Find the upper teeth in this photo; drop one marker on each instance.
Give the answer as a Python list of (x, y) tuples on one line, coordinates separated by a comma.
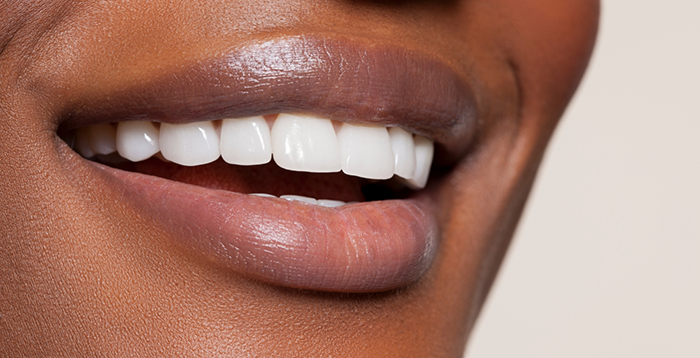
[(296, 142)]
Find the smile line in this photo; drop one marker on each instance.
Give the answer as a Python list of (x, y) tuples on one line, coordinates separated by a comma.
[(365, 247)]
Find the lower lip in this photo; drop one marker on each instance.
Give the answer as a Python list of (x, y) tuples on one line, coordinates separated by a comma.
[(366, 247)]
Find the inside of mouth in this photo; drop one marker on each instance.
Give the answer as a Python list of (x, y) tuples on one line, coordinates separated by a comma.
[(293, 157)]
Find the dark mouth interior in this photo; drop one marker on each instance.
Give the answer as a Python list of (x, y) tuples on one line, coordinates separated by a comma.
[(268, 179)]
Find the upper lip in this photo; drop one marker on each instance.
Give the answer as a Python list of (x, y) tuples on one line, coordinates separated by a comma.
[(345, 79), (391, 243)]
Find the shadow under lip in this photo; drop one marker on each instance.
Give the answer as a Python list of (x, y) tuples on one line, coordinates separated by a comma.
[(352, 80)]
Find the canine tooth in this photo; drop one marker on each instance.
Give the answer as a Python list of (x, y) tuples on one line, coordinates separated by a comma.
[(82, 142), (189, 144), (404, 152), (103, 138), (330, 203), (424, 158), (245, 141), (137, 141), (303, 199), (365, 151), (304, 143)]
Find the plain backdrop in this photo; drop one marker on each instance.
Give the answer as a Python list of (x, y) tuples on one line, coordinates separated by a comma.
[(606, 260)]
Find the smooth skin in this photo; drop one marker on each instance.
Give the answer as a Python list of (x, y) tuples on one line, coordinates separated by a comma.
[(82, 275)]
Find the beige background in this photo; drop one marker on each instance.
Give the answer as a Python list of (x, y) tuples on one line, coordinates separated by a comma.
[(606, 262)]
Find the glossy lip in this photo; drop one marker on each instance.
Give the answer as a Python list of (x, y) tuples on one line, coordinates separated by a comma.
[(344, 79), (367, 247)]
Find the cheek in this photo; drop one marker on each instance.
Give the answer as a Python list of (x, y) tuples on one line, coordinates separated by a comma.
[(550, 43), (545, 45)]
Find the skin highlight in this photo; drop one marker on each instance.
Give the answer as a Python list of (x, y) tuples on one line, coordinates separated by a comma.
[(82, 274)]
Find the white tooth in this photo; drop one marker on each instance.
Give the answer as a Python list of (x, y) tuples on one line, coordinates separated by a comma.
[(189, 144), (304, 143), (82, 142), (303, 199), (365, 151), (137, 141), (246, 141), (404, 152), (263, 195), (103, 138), (330, 203), (424, 158)]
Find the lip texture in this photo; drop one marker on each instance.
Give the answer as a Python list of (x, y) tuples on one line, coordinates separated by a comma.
[(351, 80), (366, 247)]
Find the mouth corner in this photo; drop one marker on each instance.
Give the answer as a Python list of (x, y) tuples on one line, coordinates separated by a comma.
[(311, 235)]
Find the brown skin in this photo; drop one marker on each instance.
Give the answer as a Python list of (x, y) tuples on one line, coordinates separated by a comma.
[(80, 275)]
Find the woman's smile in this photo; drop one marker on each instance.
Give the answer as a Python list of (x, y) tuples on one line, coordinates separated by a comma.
[(269, 178), (368, 112)]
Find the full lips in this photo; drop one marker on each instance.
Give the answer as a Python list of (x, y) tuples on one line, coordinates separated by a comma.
[(367, 247)]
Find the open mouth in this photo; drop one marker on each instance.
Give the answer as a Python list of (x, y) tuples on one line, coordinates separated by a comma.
[(300, 161), (299, 143)]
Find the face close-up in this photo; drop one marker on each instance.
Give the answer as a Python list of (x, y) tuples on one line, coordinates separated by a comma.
[(390, 145)]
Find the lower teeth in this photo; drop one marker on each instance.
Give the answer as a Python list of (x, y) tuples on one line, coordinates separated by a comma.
[(304, 199)]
